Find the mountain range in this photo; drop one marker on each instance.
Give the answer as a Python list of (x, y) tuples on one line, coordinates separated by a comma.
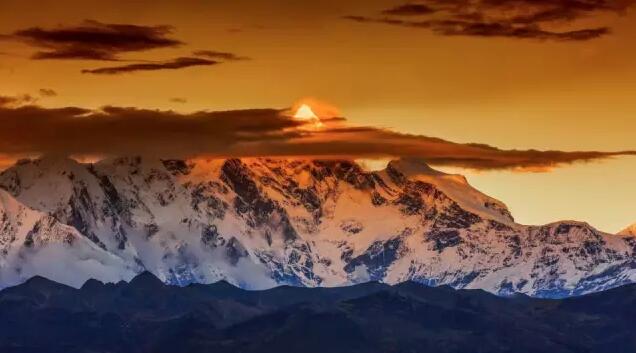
[(146, 315), (258, 223)]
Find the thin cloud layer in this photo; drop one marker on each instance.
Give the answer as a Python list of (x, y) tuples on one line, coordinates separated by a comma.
[(34, 130), (220, 55), (47, 92), (174, 64), (524, 19), (93, 40)]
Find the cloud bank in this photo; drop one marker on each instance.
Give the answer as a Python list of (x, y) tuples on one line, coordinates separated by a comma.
[(523, 19), (32, 130)]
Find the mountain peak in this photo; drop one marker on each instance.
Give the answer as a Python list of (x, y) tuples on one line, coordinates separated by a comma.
[(53, 162), (37, 280), (146, 279), (92, 284), (40, 283), (411, 166), (454, 186)]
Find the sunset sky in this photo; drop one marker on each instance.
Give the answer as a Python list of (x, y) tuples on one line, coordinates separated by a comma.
[(517, 75)]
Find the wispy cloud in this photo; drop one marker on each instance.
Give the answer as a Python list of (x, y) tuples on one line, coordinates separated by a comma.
[(220, 55), (179, 100), (523, 19), (174, 64), (47, 92), (93, 40)]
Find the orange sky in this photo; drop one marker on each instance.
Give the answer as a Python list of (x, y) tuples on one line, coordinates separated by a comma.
[(507, 92)]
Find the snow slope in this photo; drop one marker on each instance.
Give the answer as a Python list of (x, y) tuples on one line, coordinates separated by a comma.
[(33, 243)]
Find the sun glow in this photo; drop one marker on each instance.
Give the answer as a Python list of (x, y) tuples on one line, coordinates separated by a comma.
[(304, 112)]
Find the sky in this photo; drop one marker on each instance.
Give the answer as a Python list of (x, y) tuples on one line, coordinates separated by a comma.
[(429, 79)]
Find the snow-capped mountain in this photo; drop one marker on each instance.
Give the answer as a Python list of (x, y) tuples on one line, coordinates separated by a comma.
[(34, 243), (262, 222)]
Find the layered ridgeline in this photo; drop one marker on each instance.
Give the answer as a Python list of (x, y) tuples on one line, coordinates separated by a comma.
[(146, 315), (261, 222)]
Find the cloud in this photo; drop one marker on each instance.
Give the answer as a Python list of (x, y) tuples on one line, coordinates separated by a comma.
[(173, 64), (11, 101), (200, 58), (371, 142), (93, 40), (179, 100), (219, 55), (33, 130), (409, 10), (47, 92), (360, 274), (524, 19), (110, 130)]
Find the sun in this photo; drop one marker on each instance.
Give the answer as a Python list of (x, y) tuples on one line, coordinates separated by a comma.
[(305, 112)]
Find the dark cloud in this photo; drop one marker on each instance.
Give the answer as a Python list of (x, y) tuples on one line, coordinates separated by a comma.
[(373, 143), (5, 100), (409, 10), (174, 64), (47, 92), (12, 101), (33, 129), (525, 19), (179, 100), (219, 55), (30, 129), (94, 40)]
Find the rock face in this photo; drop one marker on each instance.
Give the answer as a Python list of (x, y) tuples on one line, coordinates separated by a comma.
[(261, 222)]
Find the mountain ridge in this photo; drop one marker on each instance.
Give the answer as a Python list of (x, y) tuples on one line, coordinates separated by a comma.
[(260, 222), (42, 315), (629, 231)]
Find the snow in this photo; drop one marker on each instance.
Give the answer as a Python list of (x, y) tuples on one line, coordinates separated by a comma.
[(455, 186), (185, 225), (58, 252)]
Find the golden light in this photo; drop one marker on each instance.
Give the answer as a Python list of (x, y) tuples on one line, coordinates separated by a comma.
[(304, 112)]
